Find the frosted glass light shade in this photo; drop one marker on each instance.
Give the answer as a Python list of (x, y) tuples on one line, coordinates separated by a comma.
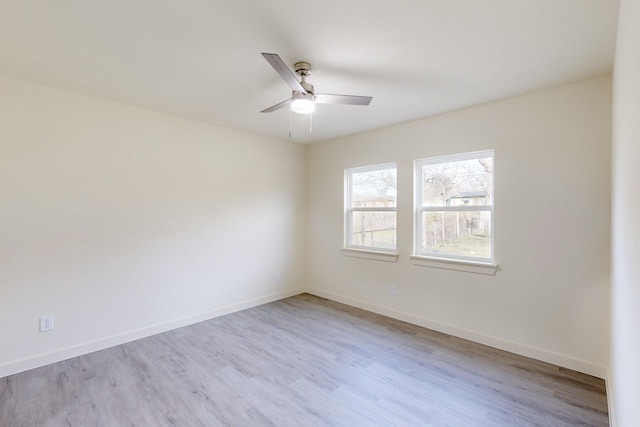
[(303, 103)]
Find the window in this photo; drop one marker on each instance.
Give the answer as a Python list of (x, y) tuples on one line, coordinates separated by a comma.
[(454, 207), (370, 207)]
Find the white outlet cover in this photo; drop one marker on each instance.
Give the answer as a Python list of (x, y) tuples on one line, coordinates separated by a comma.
[(46, 323)]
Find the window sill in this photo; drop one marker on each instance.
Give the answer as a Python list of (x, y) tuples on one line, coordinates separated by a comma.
[(455, 264), (368, 254)]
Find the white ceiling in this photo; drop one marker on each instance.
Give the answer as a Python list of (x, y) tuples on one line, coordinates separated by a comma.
[(201, 58)]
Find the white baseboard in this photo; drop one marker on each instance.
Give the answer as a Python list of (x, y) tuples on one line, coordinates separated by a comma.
[(100, 344), (611, 407), (513, 347), (510, 346)]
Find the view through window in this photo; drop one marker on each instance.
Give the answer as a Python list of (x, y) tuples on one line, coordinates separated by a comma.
[(370, 207), (454, 206)]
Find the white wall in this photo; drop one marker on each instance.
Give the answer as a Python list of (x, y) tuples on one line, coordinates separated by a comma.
[(550, 298), (625, 309), (122, 222)]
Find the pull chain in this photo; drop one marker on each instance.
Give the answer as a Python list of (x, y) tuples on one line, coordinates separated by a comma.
[(310, 123)]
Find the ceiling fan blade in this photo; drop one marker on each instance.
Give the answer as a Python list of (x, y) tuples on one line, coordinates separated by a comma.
[(277, 106), (278, 64), (325, 98)]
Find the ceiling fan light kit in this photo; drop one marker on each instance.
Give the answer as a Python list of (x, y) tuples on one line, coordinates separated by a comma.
[(303, 103), (303, 97)]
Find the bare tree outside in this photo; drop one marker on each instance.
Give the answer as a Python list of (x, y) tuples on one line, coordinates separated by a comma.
[(457, 200)]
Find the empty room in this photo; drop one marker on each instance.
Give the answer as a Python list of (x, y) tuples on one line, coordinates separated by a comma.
[(360, 213)]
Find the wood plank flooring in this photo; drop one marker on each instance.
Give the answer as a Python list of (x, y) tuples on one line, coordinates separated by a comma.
[(302, 361)]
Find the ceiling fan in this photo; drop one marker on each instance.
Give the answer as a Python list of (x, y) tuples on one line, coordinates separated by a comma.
[(304, 99)]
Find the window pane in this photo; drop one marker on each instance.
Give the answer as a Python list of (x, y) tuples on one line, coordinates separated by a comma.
[(373, 189), (462, 233), (374, 229), (461, 183)]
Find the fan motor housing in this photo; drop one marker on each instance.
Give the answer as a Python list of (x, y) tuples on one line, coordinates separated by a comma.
[(307, 86)]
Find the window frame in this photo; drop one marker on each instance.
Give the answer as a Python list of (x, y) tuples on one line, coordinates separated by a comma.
[(349, 209), (419, 209)]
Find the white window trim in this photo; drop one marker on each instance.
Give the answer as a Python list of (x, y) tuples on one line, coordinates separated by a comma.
[(370, 254), (455, 264), (359, 251), (448, 261)]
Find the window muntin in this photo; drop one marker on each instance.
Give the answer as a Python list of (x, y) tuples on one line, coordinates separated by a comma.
[(454, 206), (370, 207)]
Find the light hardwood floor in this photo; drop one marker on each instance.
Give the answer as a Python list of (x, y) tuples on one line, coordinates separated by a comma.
[(302, 361)]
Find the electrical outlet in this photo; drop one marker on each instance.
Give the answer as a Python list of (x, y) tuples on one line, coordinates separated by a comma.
[(46, 323), (392, 290), (278, 279)]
